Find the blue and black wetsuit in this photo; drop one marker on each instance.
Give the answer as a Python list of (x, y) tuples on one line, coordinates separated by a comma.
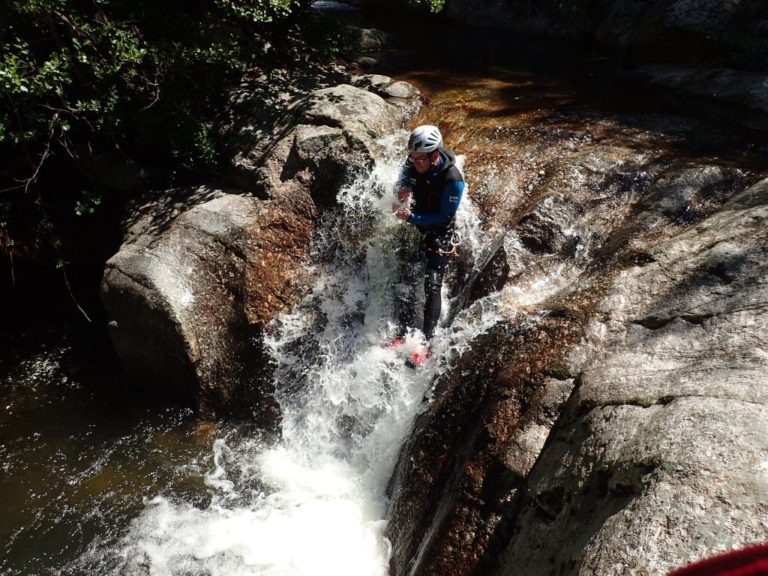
[(436, 198)]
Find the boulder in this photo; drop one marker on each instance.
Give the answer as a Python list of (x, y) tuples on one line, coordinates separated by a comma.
[(659, 456), (365, 40), (399, 93), (200, 273), (327, 138)]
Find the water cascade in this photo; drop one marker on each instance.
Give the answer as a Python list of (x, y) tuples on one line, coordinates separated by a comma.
[(314, 501)]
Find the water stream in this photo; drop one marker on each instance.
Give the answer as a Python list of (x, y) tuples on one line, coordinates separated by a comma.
[(150, 494), (313, 502)]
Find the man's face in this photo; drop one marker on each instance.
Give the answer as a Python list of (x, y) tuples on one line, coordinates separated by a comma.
[(421, 161)]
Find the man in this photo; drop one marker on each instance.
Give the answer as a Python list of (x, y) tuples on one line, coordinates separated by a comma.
[(429, 196)]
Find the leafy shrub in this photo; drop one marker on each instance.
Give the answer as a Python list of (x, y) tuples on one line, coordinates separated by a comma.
[(128, 72), (431, 5), (139, 80)]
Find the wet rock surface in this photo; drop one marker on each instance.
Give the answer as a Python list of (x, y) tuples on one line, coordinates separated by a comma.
[(658, 458), (622, 234), (464, 463), (659, 445)]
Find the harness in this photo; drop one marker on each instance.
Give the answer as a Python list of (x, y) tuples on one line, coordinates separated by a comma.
[(455, 242)]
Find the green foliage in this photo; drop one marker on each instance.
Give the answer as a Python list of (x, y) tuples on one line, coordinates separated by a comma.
[(433, 6), (137, 79), (88, 203), (98, 65)]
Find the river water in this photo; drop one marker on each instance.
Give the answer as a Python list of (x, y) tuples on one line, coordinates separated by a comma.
[(93, 491), (96, 483)]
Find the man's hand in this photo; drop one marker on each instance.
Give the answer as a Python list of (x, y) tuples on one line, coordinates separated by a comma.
[(404, 195), (402, 208)]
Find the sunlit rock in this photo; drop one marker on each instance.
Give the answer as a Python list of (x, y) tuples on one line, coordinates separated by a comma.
[(395, 92), (200, 272), (597, 210), (659, 457), (328, 138)]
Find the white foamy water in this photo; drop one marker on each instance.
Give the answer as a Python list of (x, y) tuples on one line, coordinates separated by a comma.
[(313, 504)]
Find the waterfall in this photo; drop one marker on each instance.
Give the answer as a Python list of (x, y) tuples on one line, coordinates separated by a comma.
[(313, 502)]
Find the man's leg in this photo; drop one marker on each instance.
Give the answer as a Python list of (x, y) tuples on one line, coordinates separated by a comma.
[(405, 300), (435, 249), (406, 281), (433, 284)]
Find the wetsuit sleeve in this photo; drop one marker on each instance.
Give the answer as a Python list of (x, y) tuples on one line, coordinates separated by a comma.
[(449, 203)]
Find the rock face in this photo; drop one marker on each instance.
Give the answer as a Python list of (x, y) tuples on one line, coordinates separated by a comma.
[(739, 97), (198, 272), (464, 463), (662, 447), (323, 139), (704, 56), (562, 434), (202, 271)]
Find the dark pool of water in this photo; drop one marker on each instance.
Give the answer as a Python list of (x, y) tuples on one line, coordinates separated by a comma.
[(78, 454)]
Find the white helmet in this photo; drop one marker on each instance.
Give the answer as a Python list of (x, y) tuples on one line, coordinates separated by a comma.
[(425, 138)]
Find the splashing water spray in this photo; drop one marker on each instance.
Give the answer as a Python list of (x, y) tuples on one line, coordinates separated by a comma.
[(314, 503)]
